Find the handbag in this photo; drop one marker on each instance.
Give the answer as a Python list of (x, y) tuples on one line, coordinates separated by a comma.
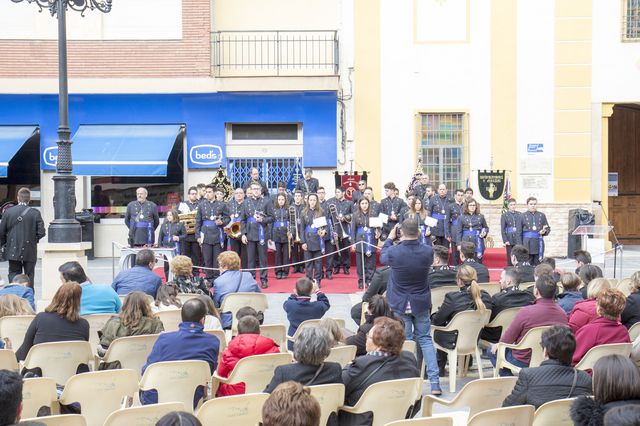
[(3, 249)]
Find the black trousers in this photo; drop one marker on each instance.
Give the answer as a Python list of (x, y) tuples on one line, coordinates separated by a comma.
[(241, 249), (441, 241), (330, 251), (342, 258), (210, 253), (313, 267), (17, 267), (509, 248), (297, 255), (192, 250), (369, 266), (534, 259), (257, 257), (455, 254), (282, 257)]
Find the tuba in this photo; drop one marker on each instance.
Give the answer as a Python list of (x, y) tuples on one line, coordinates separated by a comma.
[(189, 221), (233, 230)]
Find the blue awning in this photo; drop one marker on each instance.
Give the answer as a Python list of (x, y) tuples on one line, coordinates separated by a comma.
[(11, 140), (123, 150)]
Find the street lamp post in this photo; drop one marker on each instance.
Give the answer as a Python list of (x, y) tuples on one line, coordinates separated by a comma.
[(65, 228)]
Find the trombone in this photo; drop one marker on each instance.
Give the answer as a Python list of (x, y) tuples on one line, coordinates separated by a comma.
[(293, 224), (335, 221)]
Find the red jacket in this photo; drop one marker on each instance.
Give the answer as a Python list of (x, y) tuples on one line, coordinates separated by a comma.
[(600, 331), (241, 346), (583, 313)]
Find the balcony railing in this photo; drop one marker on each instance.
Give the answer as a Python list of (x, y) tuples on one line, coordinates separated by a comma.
[(275, 53)]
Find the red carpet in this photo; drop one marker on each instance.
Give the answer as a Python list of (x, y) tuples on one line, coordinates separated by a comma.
[(495, 259)]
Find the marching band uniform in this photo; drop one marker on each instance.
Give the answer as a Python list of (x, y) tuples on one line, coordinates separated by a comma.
[(190, 246), (425, 231), (165, 239), (212, 233), (329, 242), (534, 228), (471, 227), (360, 231), (256, 233), (297, 254), (342, 258), (234, 210), (511, 227), (263, 185), (280, 237), (438, 210), (454, 211), (142, 220), (308, 186), (389, 206), (316, 246)]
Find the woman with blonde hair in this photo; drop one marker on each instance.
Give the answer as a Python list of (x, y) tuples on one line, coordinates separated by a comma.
[(584, 312), (469, 297), (231, 280), (183, 279), (10, 305), (631, 313)]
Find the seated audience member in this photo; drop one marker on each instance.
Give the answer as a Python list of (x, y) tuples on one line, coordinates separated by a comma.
[(584, 311), (605, 328), (212, 320), (248, 342), (570, 294), (231, 280), (542, 269), (96, 298), (190, 342), (582, 258), (625, 415), (587, 274), (10, 398), (631, 313), (136, 318), (291, 404), (616, 382), (299, 306), (167, 299), (378, 286), (467, 256), (510, 296), (469, 297), (11, 305), (336, 335), (245, 311), (20, 287), (552, 262), (178, 418), (183, 279), (441, 274), (555, 378), (520, 260), (385, 360), (59, 322), (544, 312), (310, 350), (378, 307), (139, 278)]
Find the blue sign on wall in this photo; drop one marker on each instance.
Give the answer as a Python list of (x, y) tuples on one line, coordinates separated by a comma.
[(535, 147), (204, 115)]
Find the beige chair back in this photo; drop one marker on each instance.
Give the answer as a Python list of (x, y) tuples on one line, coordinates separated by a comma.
[(234, 301), (37, 393), (171, 319), (330, 397), (438, 293), (478, 395), (8, 360), (59, 360), (176, 380), (96, 323), (277, 333), (519, 415), (432, 421), (531, 340), (594, 354), (343, 355), (63, 420), (363, 312), (409, 346), (131, 351), (146, 415), (100, 392), (624, 285), (554, 413), (237, 410), (491, 288), (388, 400), (504, 318), (634, 331), (256, 371), (14, 328), (183, 297), (222, 338), (468, 324), (302, 326)]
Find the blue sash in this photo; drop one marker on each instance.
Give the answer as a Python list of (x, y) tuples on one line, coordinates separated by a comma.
[(312, 229), (281, 224), (479, 245), (252, 219), (367, 237), (423, 237), (511, 229), (438, 216), (147, 225), (536, 235), (176, 244)]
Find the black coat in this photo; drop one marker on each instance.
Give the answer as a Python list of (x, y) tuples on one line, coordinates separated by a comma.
[(631, 313), (441, 276), (586, 411), (548, 382), (21, 237), (378, 286), (507, 298), (525, 272), (138, 214), (481, 270), (302, 373)]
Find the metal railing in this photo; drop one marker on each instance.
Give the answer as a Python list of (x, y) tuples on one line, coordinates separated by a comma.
[(275, 53)]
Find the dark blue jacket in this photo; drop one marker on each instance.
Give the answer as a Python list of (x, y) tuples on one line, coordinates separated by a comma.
[(20, 291), (567, 299), (232, 282), (190, 342), (410, 262), (301, 308), (138, 278)]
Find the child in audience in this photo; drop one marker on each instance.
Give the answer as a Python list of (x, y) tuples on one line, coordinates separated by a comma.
[(167, 299), (299, 306), (570, 294), (212, 319), (20, 287)]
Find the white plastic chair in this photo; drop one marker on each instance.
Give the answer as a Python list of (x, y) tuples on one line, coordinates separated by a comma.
[(8, 360), (554, 413), (503, 319), (131, 351), (634, 331), (424, 421), (330, 397), (277, 333), (14, 328), (236, 410), (518, 415), (531, 340), (39, 392), (343, 355), (96, 323), (59, 360), (594, 354), (235, 301), (176, 380), (146, 415), (222, 338), (61, 420), (438, 293), (255, 371), (171, 319), (491, 288)]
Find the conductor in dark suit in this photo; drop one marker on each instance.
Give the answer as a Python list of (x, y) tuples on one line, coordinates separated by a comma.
[(20, 230), (468, 256)]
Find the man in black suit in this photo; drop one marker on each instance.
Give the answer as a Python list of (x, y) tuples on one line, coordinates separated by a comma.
[(378, 286), (467, 255), (520, 259), (20, 230), (441, 274)]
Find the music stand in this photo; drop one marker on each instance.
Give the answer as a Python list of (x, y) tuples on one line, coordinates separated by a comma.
[(585, 230), (160, 252)]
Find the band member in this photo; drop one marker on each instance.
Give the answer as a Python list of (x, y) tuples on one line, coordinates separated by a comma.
[(472, 227), (142, 220), (255, 178), (282, 189), (468, 194), (322, 198), (361, 231), (420, 189), (511, 227), (390, 206), (297, 254), (257, 214), (234, 210), (359, 193), (190, 246), (171, 234), (407, 207), (418, 213), (280, 235), (210, 222), (451, 222), (429, 192), (438, 210), (201, 191), (308, 185), (312, 239), (344, 208), (534, 228), (374, 206)]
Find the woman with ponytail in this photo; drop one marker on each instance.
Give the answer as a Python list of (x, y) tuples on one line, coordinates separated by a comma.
[(469, 298)]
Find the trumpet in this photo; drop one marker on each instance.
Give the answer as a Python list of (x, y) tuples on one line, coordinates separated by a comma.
[(293, 224)]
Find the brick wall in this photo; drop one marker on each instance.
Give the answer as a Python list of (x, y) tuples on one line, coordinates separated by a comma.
[(189, 57), (557, 215)]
